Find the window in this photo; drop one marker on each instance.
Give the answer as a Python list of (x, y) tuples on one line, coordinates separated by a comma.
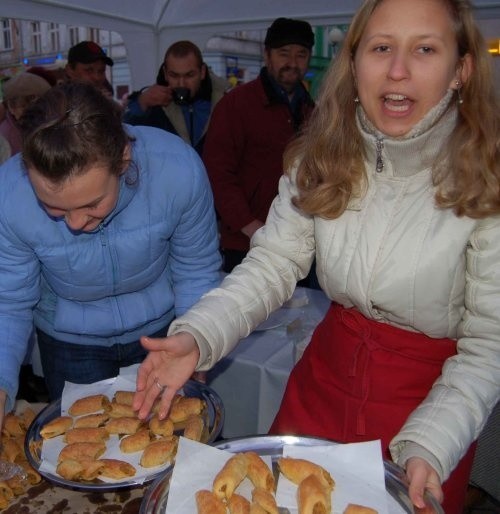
[(94, 35), (74, 36), (54, 37), (36, 37), (6, 41)]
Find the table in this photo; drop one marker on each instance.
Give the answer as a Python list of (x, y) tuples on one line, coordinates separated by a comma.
[(251, 380)]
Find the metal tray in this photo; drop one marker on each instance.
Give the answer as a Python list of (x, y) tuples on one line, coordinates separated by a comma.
[(156, 496), (215, 414)]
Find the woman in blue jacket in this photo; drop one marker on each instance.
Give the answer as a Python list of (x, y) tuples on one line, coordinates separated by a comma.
[(107, 232)]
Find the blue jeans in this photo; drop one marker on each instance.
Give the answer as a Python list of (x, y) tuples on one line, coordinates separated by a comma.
[(84, 364)]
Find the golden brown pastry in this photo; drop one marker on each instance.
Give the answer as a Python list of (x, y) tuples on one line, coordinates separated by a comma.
[(13, 425), (265, 499), (230, 476), (208, 503), (159, 452), (135, 442), (353, 508), (56, 427), (6, 495), (91, 420), (27, 416), (259, 472), (86, 435), (116, 469), (12, 450), (89, 405), (193, 428), (33, 476), (183, 407), (70, 469), (313, 497), (124, 397), (80, 451), (121, 410), (256, 508), (16, 484), (123, 426), (163, 427), (238, 504), (297, 469)]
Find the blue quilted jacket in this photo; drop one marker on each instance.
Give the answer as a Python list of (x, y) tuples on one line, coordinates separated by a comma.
[(149, 261)]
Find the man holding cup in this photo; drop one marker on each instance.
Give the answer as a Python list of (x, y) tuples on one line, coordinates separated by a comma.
[(183, 97)]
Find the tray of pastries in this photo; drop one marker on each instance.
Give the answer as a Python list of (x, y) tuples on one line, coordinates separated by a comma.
[(98, 442), (323, 491)]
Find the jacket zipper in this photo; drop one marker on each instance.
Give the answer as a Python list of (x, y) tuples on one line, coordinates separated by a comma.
[(379, 143)]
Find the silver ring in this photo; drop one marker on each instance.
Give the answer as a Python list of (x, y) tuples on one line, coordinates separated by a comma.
[(157, 384)]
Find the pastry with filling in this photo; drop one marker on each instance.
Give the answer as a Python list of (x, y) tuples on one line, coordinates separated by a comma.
[(89, 405), (298, 469), (121, 410), (230, 476), (159, 452), (265, 499), (116, 469), (12, 425), (256, 508), (161, 427), (82, 451), (91, 420), (313, 497), (86, 435), (56, 426), (238, 504), (353, 508), (183, 407), (259, 472), (123, 426), (124, 397), (193, 428), (208, 503), (135, 442)]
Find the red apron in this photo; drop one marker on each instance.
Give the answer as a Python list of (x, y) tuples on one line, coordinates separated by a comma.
[(358, 380)]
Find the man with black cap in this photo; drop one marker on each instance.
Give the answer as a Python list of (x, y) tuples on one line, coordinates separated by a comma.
[(87, 63), (249, 130)]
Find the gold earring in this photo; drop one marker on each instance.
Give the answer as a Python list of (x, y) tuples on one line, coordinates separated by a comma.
[(459, 86)]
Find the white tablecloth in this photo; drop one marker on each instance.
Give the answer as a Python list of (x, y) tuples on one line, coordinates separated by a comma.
[(251, 380)]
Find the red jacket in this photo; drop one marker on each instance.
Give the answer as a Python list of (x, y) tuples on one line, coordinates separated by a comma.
[(249, 130)]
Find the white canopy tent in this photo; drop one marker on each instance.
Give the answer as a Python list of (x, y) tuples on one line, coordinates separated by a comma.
[(148, 27)]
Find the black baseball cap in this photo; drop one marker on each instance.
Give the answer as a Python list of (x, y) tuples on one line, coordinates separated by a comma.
[(87, 52), (285, 31)]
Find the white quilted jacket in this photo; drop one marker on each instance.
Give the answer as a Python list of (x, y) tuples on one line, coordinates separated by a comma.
[(399, 260)]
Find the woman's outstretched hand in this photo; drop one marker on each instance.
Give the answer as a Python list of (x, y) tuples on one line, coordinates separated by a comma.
[(422, 477), (170, 363)]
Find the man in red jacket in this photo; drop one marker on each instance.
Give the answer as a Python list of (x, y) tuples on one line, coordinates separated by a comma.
[(249, 130)]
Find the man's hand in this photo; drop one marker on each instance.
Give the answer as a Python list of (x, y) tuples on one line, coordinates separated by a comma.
[(250, 229), (422, 476), (155, 95), (170, 363)]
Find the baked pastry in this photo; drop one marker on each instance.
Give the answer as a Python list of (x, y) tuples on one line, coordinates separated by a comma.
[(72, 469), (298, 469), (183, 407), (259, 473), (162, 427), (117, 469), (265, 499), (159, 452), (13, 425), (313, 497), (193, 429), (91, 420), (56, 426), (230, 476), (123, 426), (121, 410), (86, 435), (81, 451), (353, 508), (257, 508), (238, 504), (124, 397), (6, 495), (89, 405), (135, 442), (208, 503)]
